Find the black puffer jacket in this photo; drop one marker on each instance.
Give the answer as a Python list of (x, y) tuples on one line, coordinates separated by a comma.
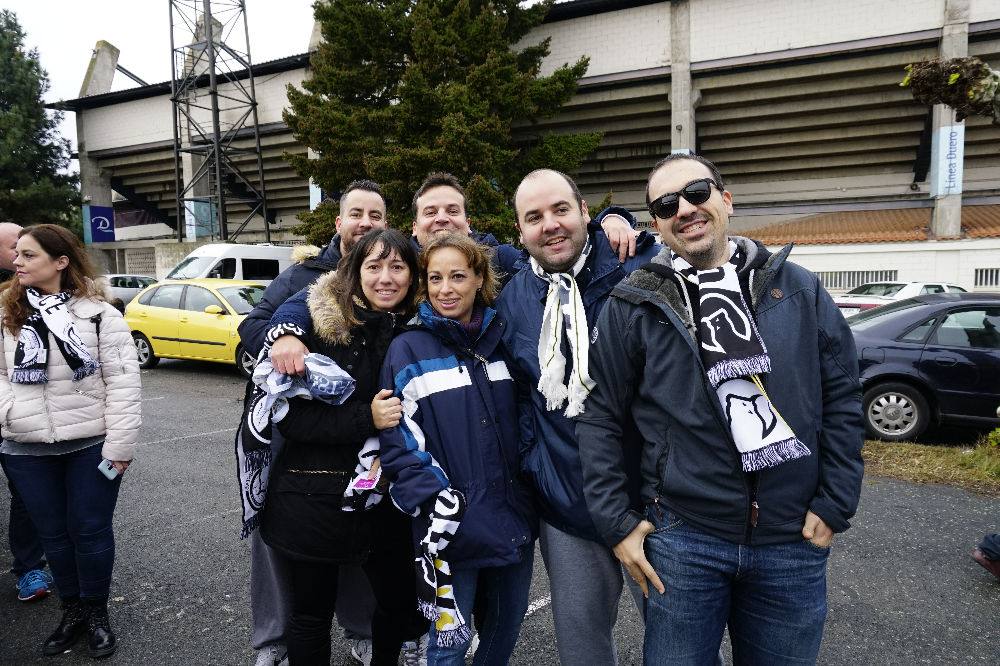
[(302, 518)]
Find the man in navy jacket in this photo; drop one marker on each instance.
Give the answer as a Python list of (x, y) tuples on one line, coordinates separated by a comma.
[(741, 376), (571, 268)]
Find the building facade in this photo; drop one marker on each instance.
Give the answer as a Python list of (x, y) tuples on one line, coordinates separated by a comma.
[(797, 101)]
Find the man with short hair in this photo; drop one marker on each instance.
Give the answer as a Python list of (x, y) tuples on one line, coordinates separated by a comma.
[(362, 208), (549, 307), (741, 376), (33, 581)]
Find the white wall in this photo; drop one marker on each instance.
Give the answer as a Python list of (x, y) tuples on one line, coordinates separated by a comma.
[(150, 120), (945, 261), (620, 41)]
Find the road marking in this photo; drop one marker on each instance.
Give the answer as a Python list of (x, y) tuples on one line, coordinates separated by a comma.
[(538, 605), (197, 434)]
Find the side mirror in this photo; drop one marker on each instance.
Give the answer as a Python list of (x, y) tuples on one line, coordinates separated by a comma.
[(214, 309)]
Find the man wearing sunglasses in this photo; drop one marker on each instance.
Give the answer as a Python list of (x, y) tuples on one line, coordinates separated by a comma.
[(741, 376)]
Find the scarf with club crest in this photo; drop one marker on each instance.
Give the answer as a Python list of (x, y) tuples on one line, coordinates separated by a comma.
[(735, 357), (435, 594), (51, 315)]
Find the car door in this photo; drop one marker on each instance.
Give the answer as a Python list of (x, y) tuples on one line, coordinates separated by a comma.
[(961, 360), (157, 318), (204, 335)]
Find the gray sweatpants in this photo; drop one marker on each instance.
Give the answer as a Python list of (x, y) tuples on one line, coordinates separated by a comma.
[(270, 597), (585, 580)]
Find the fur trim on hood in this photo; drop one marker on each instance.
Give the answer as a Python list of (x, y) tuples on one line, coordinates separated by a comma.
[(303, 253), (327, 317)]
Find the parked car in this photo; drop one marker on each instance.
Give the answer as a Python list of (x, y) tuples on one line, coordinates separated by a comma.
[(193, 319), (233, 261), (928, 360), (874, 294), (123, 288)]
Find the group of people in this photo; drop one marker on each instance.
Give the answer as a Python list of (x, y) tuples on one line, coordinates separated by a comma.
[(687, 413)]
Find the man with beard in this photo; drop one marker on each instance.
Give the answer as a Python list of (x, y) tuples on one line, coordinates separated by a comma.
[(741, 376), (362, 208), (549, 307)]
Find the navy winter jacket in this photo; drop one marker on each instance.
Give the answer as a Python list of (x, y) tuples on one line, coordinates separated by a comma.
[(548, 439), (648, 371), (459, 430), (287, 284)]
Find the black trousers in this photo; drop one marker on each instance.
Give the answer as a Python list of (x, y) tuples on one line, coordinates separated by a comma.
[(392, 575)]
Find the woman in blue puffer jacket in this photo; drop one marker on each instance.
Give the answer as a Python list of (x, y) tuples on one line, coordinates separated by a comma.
[(453, 460)]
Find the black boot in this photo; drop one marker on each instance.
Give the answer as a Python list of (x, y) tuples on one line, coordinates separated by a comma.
[(101, 640), (71, 627)]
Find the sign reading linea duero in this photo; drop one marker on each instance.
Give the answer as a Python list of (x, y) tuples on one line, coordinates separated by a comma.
[(98, 224), (947, 153)]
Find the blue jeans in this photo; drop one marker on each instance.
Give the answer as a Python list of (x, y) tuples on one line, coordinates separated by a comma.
[(22, 537), (71, 504), (773, 598), (505, 596)]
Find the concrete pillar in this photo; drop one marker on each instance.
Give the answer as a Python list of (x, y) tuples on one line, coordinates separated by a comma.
[(95, 185), (682, 99), (948, 143)]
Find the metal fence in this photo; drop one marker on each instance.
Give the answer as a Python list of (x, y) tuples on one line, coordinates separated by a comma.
[(845, 280)]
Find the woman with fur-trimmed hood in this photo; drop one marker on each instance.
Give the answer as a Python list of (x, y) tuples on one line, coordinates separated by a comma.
[(355, 313)]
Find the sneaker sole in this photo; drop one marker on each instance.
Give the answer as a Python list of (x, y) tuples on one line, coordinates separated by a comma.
[(40, 594)]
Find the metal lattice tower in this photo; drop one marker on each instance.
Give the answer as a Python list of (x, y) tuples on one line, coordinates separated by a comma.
[(214, 108)]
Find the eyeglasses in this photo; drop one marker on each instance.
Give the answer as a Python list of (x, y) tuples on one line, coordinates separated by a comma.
[(696, 192)]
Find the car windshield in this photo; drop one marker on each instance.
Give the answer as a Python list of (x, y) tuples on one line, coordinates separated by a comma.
[(191, 267), (868, 318), (243, 299), (877, 289)]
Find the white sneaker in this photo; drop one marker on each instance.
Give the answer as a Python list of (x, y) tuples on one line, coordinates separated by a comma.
[(361, 649), (473, 645), (415, 652), (274, 654)]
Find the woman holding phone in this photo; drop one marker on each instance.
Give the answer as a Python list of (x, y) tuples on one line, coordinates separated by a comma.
[(354, 312), (70, 398), (453, 460)]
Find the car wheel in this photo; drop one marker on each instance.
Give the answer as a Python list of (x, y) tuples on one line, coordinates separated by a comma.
[(245, 362), (144, 350), (895, 412)]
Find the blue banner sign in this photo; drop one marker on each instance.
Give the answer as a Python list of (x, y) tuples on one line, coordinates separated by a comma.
[(98, 224)]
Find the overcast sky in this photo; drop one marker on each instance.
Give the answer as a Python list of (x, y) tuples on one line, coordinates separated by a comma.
[(65, 31)]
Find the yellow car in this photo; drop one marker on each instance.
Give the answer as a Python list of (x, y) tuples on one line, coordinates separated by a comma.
[(193, 319)]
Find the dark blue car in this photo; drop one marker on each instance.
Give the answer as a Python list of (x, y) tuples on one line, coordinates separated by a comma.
[(928, 360)]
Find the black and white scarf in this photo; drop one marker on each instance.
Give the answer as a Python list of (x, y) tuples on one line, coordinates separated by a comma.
[(735, 357), (363, 493), (51, 315), (435, 594), (564, 310)]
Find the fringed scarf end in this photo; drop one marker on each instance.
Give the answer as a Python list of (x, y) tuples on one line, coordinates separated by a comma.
[(774, 454)]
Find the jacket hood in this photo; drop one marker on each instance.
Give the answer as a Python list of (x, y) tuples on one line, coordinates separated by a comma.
[(652, 285), (327, 317), (302, 253)]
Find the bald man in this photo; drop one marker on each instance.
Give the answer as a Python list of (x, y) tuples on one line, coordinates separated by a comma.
[(33, 582)]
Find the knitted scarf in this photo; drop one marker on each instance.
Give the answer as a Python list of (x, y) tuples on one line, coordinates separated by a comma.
[(564, 309), (363, 493), (435, 594), (735, 357), (51, 315)]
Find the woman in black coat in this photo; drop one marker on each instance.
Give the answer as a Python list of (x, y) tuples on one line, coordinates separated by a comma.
[(355, 312)]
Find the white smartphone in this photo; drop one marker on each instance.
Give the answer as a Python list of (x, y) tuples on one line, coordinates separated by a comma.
[(107, 469)]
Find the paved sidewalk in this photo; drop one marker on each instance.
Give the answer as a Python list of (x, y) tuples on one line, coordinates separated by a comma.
[(903, 587)]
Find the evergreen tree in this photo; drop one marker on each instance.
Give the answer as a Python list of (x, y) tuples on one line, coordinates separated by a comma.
[(401, 88), (33, 157)]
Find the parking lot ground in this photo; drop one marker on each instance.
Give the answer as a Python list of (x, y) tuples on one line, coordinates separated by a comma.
[(903, 588)]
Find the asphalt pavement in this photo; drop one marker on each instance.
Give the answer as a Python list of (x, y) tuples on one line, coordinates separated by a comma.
[(903, 588)]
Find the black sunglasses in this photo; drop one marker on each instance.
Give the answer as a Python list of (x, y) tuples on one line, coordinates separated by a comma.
[(696, 192)]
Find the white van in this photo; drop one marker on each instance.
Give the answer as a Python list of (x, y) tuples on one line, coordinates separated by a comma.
[(233, 262)]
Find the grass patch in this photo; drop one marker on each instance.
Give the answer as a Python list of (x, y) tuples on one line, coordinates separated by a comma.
[(975, 468)]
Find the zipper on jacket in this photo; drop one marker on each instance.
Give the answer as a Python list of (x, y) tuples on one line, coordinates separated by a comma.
[(753, 508)]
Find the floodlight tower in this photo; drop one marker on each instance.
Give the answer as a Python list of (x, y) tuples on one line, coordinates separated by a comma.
[(214, 106)]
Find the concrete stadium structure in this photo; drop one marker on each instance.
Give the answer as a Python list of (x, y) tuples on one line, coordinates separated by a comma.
[(797, 101)]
